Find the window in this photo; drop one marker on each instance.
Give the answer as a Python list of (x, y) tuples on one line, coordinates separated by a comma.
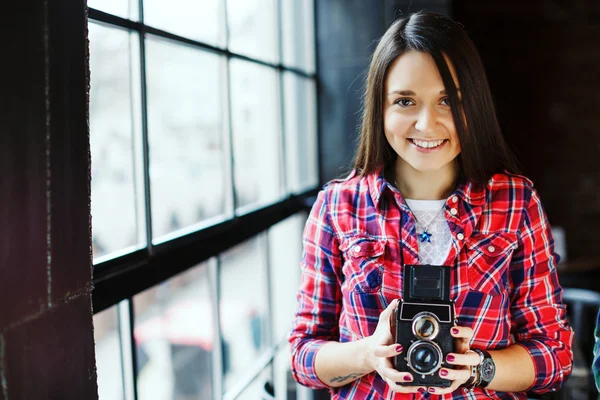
[(204, 152), (108, 354), (185, 134), (244, 307), (174, 338), (115, 136), (256, 133)]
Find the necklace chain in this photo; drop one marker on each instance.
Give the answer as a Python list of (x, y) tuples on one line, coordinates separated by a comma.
[(425, 236)]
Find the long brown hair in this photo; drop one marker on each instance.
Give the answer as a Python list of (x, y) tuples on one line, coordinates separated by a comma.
[(483, 148)]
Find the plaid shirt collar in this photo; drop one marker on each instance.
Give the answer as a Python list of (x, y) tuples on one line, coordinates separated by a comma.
[(470, 192)]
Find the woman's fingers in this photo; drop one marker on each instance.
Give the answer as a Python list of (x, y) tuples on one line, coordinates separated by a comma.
[(387, 370), (440, 391), (455, 374), (388, 312), (463, 336), (388, 351), (469, 358), (405, 389), (395, 376), (461, 332)]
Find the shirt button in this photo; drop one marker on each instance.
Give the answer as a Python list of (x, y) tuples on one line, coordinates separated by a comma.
[(357, 249), (455, 199), (460, 236), (492, 249), (454, 211)]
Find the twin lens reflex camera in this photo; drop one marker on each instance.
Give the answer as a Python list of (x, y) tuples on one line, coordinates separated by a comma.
[(424, 318)]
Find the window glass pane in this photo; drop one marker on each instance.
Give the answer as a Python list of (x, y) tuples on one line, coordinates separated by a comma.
[(122, 8), (253, 28), (117, 200), (285, 385), (256, 133), (243, 307), (108, 355), (174, 338), (185, 129), (285, 252), (298, 38), (199, 20), (300, 132), (257, 389)]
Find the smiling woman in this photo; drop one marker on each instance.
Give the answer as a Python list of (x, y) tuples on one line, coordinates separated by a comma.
[(421, 75), (433, 217), (418, 122)]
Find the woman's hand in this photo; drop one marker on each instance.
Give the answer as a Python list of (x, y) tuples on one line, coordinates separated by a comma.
[(462, 359), (381, 347)]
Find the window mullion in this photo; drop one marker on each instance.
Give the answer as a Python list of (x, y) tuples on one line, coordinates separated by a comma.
[(214, 276), (284, 181), (145, 141)]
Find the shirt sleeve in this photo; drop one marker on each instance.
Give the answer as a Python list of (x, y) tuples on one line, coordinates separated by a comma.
[(538, 313), (319, 297)]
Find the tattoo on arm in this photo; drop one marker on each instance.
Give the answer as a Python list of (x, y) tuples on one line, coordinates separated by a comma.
[(341, 379)]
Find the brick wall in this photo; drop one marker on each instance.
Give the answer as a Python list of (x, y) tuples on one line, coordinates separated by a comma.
[(46, 334), (543, 62)]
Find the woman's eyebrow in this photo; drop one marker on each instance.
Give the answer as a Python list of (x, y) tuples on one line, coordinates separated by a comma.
[(403, 93), (444, 91), (411, 93)]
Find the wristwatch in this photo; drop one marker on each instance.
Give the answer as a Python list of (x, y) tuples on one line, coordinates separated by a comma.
[(486, 370)]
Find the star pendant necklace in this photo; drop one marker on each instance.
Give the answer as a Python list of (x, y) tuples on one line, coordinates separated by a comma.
[(425, 236)]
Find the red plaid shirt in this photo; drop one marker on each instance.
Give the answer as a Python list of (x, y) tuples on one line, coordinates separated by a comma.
[(504, 281)]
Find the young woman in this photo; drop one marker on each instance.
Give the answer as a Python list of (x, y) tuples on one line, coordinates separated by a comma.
[(433, 183)]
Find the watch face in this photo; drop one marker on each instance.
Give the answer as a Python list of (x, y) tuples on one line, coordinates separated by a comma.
[(488, 370)]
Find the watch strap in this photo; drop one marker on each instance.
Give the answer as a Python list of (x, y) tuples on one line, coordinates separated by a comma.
[(485, 358)]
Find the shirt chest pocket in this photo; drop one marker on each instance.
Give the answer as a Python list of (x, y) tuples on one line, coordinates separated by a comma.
[(489, 256), (363, 263)]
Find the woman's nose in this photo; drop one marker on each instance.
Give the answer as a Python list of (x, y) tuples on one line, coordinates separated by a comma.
[(426, 120)]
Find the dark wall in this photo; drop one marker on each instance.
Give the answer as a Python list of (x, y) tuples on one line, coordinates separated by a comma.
[(543, 63), (345, 34), (46, 334)]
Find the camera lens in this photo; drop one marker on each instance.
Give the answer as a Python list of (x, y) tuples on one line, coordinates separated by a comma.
[(425, 326), (424, 357)]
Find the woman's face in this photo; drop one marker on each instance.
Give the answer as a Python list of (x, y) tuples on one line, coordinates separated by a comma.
[(418, 121)]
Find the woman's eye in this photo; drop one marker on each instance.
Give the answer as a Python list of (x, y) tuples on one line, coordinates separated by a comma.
[(446, 101), (404, 102)]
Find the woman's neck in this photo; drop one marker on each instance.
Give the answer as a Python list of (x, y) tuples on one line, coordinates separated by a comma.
[(425, 185)]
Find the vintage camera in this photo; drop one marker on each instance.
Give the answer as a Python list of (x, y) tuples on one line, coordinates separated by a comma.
[(424, 318)]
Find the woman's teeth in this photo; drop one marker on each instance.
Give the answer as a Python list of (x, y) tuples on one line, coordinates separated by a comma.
[(427, 144)]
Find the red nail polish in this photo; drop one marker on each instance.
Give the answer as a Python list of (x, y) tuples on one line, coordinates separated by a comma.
[(443, 373), (431, 390), (450, 357), (455, 331), (421, 390), (399, 348), (407, 378)]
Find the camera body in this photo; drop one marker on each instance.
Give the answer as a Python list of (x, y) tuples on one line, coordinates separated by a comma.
[(423, 319)]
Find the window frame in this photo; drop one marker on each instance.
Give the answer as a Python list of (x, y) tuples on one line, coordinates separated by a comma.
[(116, 280), (119, 278)]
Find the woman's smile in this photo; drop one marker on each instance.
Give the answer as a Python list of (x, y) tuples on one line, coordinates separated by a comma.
[(427, 146)]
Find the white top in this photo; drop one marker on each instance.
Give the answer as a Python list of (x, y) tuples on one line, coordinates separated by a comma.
[(430, 216)]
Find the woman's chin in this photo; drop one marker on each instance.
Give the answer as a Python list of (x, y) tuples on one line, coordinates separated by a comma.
[(428, 167)]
